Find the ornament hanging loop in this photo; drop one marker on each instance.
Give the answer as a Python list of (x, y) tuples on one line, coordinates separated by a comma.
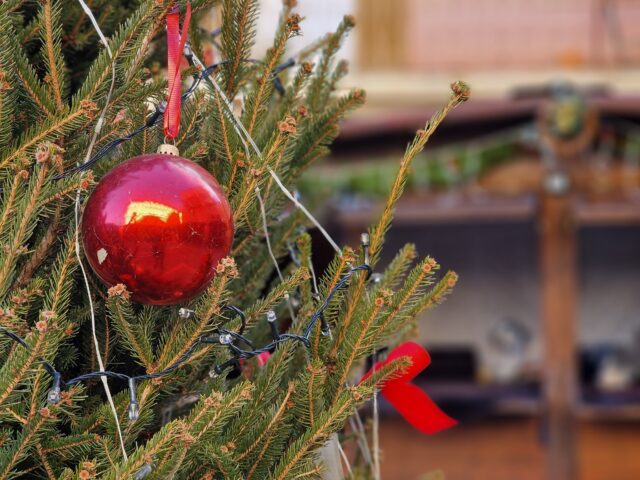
[(176, 40), (168, 149)]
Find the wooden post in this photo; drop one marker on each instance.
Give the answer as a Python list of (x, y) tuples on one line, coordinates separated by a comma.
[(558, 281), (381, 34)]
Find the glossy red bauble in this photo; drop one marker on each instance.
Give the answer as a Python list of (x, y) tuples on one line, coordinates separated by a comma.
[(159, 224)]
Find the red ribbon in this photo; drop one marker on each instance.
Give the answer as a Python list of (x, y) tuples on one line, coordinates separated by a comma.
[(413, 404), (175, 48), (262, 358)]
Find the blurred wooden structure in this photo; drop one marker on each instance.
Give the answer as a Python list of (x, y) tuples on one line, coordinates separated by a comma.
[(381, 40), (560, 201), (507, 449), (436, 35)]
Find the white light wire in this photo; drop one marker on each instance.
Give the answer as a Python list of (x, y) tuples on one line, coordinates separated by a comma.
[(273, 257), (96, 132), (376, 430), (242, 132), (345, 459), (358, 428)]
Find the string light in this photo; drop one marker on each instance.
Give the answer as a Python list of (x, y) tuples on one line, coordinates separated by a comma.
[(155, 118), (364, 240), (220, 336), (272, 319)]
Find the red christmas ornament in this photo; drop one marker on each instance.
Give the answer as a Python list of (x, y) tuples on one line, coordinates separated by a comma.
[(158, 224)]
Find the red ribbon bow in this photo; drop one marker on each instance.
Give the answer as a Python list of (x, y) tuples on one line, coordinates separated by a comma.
[(175, 48), (413, 404)]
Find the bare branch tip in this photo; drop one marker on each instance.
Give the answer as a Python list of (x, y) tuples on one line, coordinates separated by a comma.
[(461, 90)]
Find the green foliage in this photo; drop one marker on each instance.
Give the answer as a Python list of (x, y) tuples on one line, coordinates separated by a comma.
[(263, 423)]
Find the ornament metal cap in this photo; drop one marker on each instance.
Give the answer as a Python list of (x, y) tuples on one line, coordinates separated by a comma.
[(168, 149)]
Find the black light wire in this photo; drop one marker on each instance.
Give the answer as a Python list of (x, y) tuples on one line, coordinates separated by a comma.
[(219, 336), (155, 117)]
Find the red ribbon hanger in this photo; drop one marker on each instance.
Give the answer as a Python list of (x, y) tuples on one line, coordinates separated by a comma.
[(175, 49), (413, 404)]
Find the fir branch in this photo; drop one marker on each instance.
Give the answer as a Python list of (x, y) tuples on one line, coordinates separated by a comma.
[(289, 102), (66, 187), (17, 417), (45, 462), (307, 402), (209, 417), (41, 251), (128, 39), (266, 433), (264, 86), (238, 34), (413, 289), (267, 386), (70, 446), (19, 74), (182, 336), (398, 266), (36, 391), (165, 439), (254, 178), (172, 463), (276, 294), (56, 127), (435, 296), (8, 94), (336, 269), (51, 38), (460, 94), (313, 143), (24, 227), (222, 119), (355, 295), (60, 279), (8, 201), (32, 87), (13, 453), (327, 423), (135, 333), (315, 96), (353, 350), (279, 159), (192, 113)]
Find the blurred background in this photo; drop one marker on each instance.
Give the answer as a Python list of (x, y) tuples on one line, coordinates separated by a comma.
[(531, 192)]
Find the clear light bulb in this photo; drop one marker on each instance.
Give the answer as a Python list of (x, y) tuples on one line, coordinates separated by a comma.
[(53, 396), (134, 411)]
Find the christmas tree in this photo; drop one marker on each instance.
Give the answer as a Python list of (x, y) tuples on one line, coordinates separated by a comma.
[(254, 375)]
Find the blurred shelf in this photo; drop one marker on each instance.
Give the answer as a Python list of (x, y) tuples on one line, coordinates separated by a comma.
[(404, 102), (606, 213), (457, 207), (451, 207), (411, 89), (381, 120), (596, 412), (499, 399)]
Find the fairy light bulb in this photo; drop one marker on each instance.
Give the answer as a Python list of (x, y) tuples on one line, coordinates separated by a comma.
[(144, 471), (54, 395), (134, 408), (272, 319), (325, 330), (364, 241)]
